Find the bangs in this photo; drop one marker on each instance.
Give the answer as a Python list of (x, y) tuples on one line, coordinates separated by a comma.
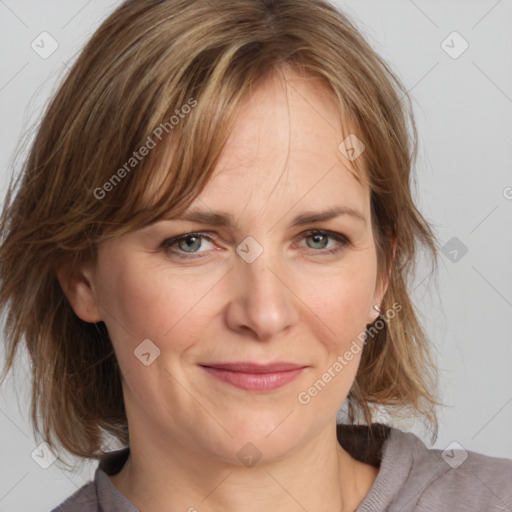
[(184, 139)]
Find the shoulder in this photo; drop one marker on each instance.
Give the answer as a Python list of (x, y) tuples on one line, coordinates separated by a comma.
[(84, 499), (100, 495), (415, 478), (452, 479)]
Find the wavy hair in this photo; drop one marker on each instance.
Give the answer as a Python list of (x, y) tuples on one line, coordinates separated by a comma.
[(162, 70)]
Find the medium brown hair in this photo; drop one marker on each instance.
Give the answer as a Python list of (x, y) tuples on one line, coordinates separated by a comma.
[(145, 63)]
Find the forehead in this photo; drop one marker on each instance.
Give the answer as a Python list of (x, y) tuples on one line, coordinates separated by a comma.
[(284, 150)]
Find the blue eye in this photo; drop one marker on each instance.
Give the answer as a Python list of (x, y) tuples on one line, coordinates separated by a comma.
[(187, 246), (320, 236), (187, 243)]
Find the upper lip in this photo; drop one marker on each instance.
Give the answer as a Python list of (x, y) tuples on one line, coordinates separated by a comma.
[(249, 367)]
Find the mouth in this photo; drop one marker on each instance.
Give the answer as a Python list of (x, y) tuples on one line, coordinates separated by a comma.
[(254, 377)]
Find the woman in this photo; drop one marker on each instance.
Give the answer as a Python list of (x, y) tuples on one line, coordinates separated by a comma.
[(207, 256)]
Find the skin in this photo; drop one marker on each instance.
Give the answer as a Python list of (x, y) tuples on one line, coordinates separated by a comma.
[(293, 303)]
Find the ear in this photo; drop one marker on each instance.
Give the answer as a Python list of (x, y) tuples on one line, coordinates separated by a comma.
[(77, 284), (381, 288)]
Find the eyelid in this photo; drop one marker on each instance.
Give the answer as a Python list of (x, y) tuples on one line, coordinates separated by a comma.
[(342, 239), (173, 240), (332, 234)]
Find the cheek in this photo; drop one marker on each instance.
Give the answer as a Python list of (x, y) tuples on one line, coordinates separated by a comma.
[(342, 301), (141, 301), (175, 308)]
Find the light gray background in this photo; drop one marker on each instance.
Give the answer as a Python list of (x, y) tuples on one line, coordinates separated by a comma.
[(463, 108)]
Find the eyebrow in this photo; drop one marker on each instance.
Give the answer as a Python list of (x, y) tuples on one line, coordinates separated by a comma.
[(227, 220)]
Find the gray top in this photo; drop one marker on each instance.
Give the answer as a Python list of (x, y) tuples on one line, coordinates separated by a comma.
[(411, 477)]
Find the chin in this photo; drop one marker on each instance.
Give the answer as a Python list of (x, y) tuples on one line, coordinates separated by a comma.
[(266, 439)]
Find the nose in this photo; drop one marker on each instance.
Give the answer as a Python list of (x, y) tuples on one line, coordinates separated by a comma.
[(263, 302)]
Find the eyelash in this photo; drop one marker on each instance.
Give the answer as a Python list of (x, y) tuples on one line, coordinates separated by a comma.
[(167, 244)]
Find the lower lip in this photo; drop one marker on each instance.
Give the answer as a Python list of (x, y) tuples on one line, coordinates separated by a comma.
[(254, 381)]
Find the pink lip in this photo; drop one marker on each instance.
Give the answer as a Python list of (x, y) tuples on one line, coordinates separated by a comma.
[(255, 377)]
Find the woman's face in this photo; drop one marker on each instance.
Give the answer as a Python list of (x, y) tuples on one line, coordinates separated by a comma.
[(260, 291)]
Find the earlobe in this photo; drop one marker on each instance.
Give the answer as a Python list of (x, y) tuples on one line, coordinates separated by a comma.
[(77, 285), (382, 287), (373, 314)]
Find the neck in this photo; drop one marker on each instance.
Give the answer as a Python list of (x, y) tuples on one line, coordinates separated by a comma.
[(161, 474)]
